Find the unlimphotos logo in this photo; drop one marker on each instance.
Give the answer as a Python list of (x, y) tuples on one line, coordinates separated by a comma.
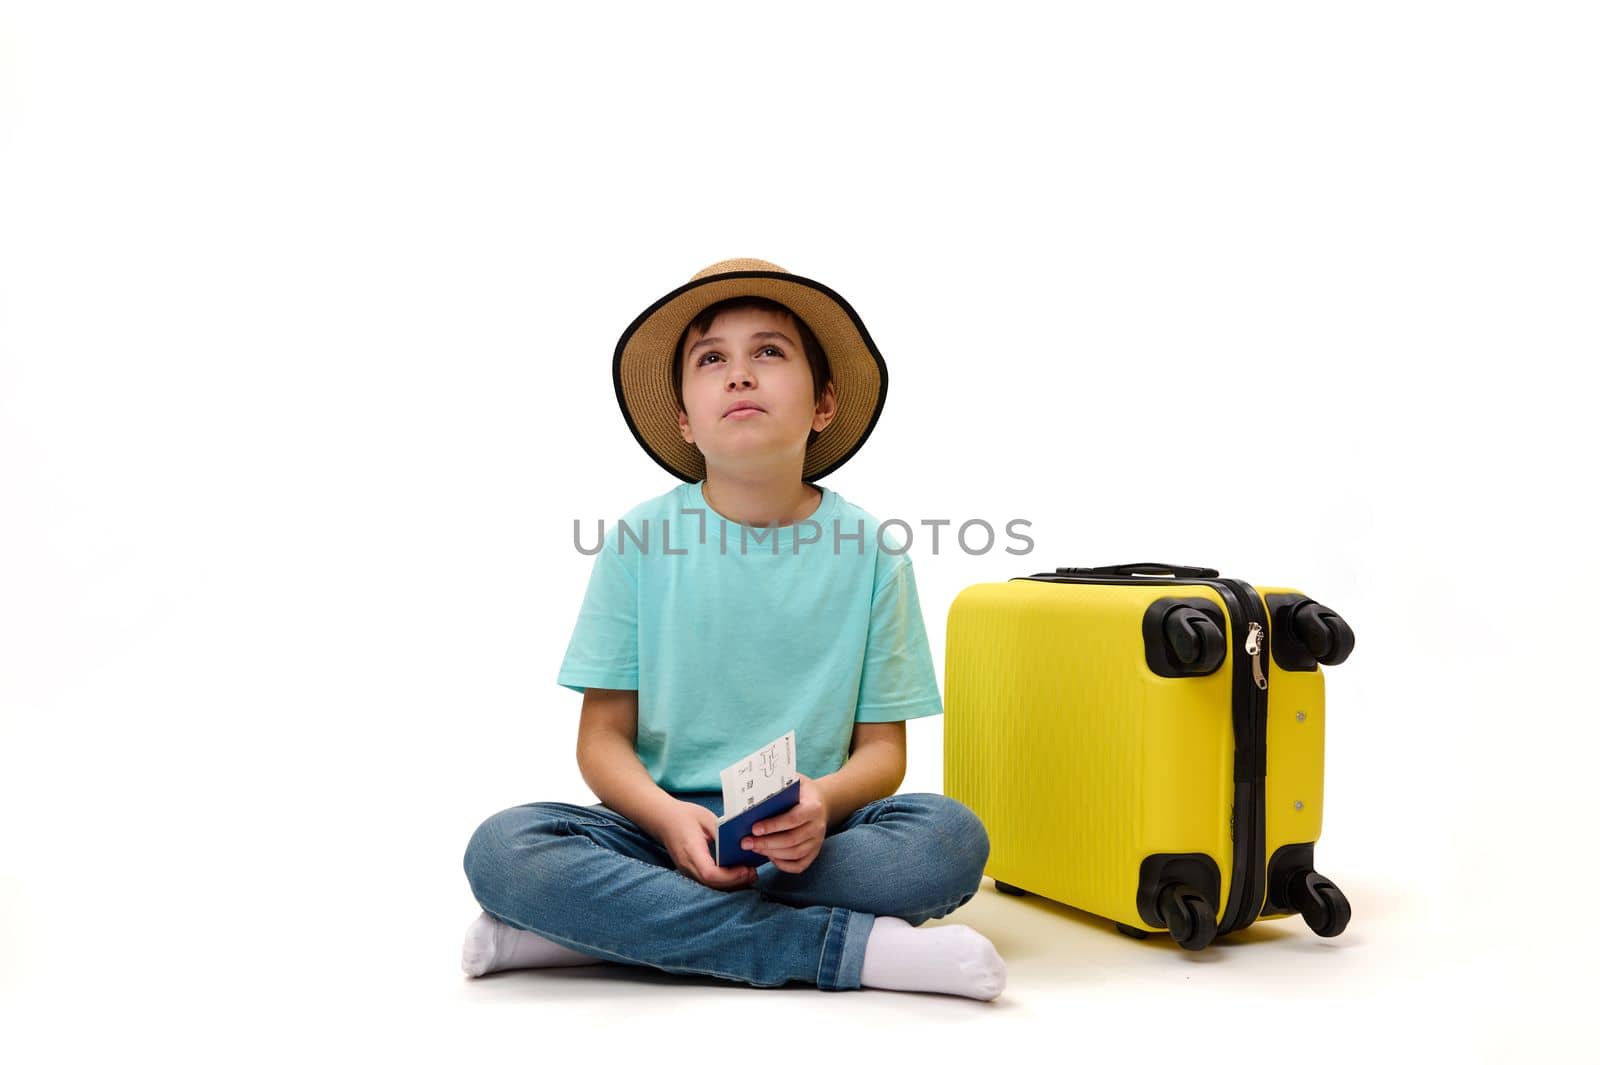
[(974, 536)]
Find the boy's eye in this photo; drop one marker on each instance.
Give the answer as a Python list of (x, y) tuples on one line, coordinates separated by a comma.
[(701, 361)]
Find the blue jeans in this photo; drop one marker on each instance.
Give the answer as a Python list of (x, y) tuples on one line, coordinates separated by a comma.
[(590, 879)]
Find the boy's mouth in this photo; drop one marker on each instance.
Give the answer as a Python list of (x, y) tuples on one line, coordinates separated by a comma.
[(743, 410)]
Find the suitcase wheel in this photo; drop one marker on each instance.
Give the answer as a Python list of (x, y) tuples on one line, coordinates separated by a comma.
[(1008, 889), (1189, 917), (1326, 635), (1132, 932), (1194, 640), (1320, 902)]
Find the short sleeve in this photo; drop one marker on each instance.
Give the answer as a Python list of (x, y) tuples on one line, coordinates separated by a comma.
[(897, 676), (604, 649)]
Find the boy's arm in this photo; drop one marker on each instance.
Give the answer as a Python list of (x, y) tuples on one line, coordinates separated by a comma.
[(609, 763), (874, 770)]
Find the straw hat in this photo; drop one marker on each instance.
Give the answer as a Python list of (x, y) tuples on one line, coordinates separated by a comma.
[(642, 368)]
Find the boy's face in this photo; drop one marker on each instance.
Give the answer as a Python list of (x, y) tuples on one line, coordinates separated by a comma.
[(750, 356)]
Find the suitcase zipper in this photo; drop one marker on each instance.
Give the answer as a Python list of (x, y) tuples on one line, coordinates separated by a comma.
[(1252, 647), (1246, 890)]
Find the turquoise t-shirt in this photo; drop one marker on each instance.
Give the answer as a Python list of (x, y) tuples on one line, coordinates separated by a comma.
[(734, 634)]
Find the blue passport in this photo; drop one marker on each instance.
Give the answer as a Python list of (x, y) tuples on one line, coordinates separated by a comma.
[(732, 831)]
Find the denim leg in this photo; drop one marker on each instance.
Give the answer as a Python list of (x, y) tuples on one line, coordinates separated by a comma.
[(913, 856), (589, 879)]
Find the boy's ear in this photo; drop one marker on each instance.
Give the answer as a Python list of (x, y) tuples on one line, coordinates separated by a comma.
[(683, 427), (827, 407)]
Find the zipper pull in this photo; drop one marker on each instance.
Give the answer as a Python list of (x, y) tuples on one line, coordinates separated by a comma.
[(1252, 647)]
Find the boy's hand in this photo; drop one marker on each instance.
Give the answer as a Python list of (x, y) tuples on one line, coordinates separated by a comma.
[(794, 838), (689, 832)]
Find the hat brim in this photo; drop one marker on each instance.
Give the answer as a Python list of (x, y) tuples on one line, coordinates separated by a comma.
[(641, 370)]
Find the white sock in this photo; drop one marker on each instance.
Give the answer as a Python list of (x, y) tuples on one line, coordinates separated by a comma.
[(951, 959), (492, 945)]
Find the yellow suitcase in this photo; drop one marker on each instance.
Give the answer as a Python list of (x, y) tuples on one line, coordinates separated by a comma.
[(1145, 742)]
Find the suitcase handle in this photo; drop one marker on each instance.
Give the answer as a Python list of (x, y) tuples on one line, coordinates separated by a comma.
[(1140, 569)]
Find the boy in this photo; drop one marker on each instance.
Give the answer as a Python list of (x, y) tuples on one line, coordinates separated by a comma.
[(743, 603)]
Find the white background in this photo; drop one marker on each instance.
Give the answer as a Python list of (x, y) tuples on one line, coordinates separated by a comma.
[(308, 315)]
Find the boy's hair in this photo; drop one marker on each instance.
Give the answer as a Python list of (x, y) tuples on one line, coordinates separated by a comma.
[(821, 373)]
